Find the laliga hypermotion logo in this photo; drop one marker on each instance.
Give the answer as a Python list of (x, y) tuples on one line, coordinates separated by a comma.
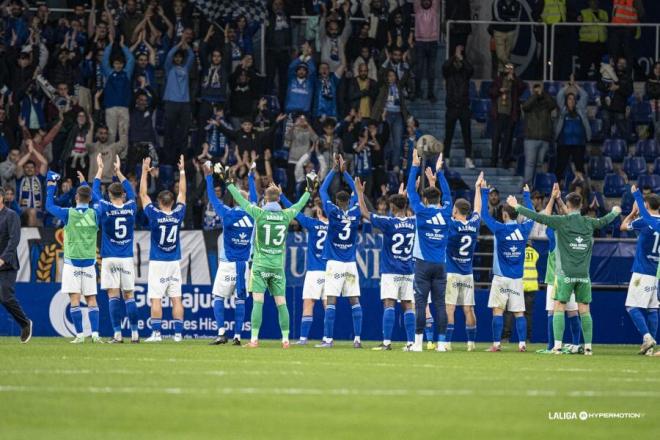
[(59, 315)]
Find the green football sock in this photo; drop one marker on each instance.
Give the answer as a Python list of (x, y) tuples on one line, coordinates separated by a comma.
[(257, 311), (587, 327), (558, 325), (283, 317)]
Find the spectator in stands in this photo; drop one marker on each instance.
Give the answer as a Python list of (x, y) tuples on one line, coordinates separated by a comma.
[(652, 92), (395, 60), (413, 133), (7, 129), (554, 11), (362, 92), (42, 140), (592, 39), (625, 12), (538, 130), (243, 95), (572, 130), (10, 168), (313, 160), (329, 143), (458, 10), (366, 57), (355, 44), (427, 34), (377, 14), (215, 76), (392, 107), (31, 184), (177, 110), (504, 34), (326, 90), (505, 110), (247, 140), (117, 92), (302, 76), (333, 39), (300, 137), (494, 203), (614, 99), (108, 149), (245, 33), (399, 34), (457, 72), (279, 37)]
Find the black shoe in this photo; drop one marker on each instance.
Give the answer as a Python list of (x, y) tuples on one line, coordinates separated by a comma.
[(383, 347), (115, 341), (432, 99), (135, 341), (222, 339), (26, 333), (236, 341)]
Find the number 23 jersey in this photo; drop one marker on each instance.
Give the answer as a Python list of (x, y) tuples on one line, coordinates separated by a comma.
[(461, 244), (165, 227), (398, 241)]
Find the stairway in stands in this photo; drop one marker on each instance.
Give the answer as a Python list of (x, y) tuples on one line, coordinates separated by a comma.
[(432, 121)]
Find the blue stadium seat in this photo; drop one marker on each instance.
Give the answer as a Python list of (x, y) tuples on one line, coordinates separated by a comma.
[(552, 87), (281, 154), (484, 89), (656, 166), (480, 109), (649, 180), (648, 149), (614, 185), (474, 93), (627, 201), (452, 175), (634, 166), (279, 176), (544, 182), (273, 104), (615, 149), (641, 112), (592, 91), (597, 134), (599, 167)]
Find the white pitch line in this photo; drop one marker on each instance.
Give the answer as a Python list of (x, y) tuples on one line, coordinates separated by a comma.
[(9, 388)]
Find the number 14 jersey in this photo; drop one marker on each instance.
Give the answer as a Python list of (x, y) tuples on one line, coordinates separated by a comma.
[(461, 244)]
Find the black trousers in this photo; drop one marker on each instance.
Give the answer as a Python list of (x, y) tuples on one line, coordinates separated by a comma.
[(8, 297), (566, 153), (277, 64), (461, 115), (177, 123), (502, 139), (426, 53), (430, 277), (529, 313)]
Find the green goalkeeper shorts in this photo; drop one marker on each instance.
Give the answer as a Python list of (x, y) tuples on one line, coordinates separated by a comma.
[(263, 278), (565, 286)]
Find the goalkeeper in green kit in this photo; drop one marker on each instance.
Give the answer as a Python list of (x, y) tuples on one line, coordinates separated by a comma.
[(271, 228), (574, 234)]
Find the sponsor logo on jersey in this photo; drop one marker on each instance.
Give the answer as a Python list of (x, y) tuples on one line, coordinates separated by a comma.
[(579, 244), (436, 220), (244, 222), (515, 236)]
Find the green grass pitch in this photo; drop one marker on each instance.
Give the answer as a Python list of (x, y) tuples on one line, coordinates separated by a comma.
[(50, 389)]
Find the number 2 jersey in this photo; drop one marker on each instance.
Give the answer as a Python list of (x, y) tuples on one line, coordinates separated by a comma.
[(462, 243), (165, 227), (317, 232), (398, 240), (117, 223)]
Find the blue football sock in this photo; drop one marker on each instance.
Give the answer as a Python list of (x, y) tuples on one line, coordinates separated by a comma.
[(329, 321), (521, 328), (305, 326), (156, 325), (388, 323), (76, 317), (638, 319), (652, 320), (114, 304), (219, 314), (450, 332), (551, 333), (132, 312), (239, 317), (498, 325), (94, 318), (576, 329), (471, 333), (428, 330), (356, 311), (178, 326), (409, 324)]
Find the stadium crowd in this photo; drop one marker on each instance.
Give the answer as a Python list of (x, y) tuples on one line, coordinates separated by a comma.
[(139, 78)]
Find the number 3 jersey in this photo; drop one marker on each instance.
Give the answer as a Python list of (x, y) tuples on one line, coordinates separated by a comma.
[(398, 241), (461, 244), (342, 233), (165, 243)]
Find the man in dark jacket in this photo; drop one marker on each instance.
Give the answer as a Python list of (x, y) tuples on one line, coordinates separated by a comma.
[(504, 34), (278, 56), (457, 72), (458, 32), (362, 92), (10, 236), (538, 130), (614, 99), (505, 111)]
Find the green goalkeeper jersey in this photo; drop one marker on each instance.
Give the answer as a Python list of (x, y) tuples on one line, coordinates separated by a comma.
[(271, 228), (575, 238)]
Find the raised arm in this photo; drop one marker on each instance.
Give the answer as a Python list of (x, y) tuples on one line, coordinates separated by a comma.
[(413, 196), (252, 185), (183, 184), (146, 169), (599, 223), (654, 222), (554, 221), (527, 200), (477, 194), (351, 184), (251, 209), (492, 224), (299, 205), (218, 206), (323, 192), (304, 221), (363, 205), (625, 224), (444, 185), (51, 207)]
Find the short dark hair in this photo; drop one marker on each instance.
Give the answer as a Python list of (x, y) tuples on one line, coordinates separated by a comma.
[(653, 200), (398, 200), (116, 190), (463, 206), (513, 214), (574, 200), (166, 198), (342, 197), (2, 192), (432, 195), (84, 194)]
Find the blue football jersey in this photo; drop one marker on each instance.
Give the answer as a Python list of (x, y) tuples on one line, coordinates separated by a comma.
[(461, 244), (552, 241), (646, 251), (341, 242), (165, 228), (317, 233), (398, 240), (117, 226)]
